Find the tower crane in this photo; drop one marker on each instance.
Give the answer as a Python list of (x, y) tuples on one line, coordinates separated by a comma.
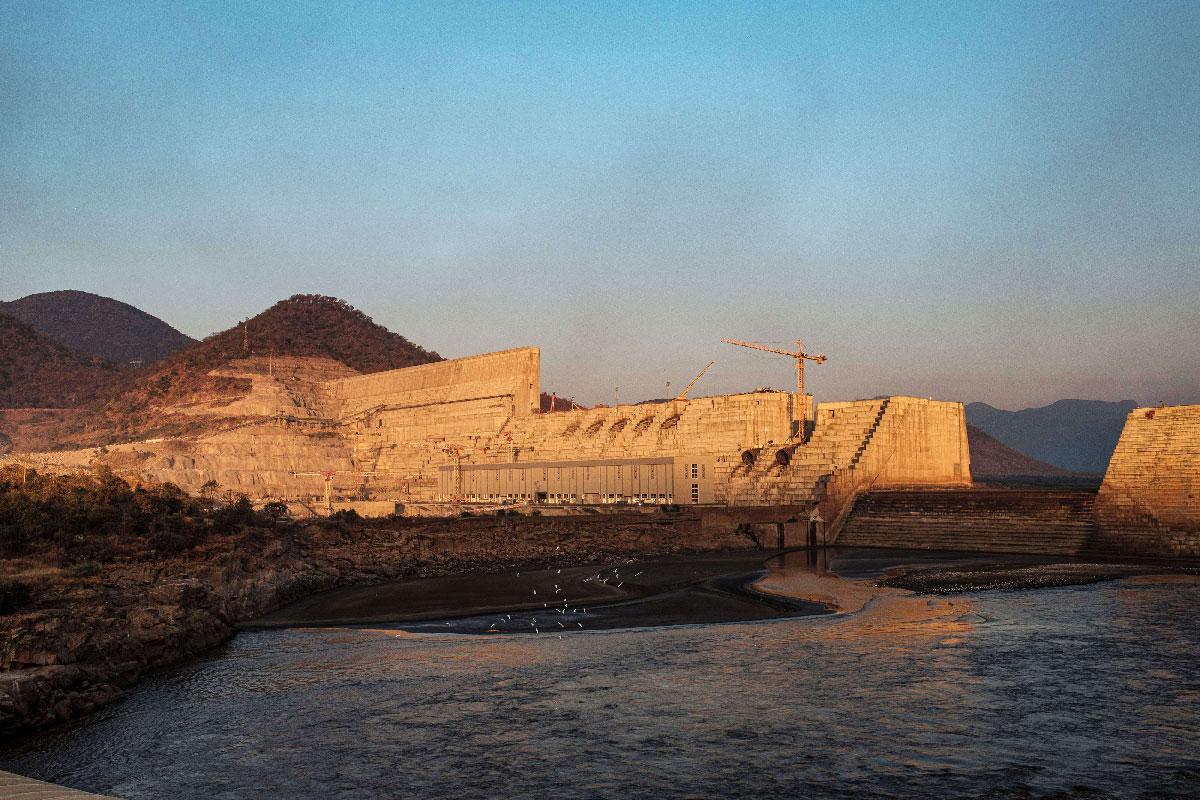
[(686, 389), (804, 425), (798, 354)]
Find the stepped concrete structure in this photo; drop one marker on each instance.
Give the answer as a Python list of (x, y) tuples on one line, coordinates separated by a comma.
[(1148, 505), (1149, 502), (1051, 522), (469, 431)]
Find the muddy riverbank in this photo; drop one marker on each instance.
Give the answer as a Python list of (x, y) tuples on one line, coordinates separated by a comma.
[(695, 588), (84, 636)]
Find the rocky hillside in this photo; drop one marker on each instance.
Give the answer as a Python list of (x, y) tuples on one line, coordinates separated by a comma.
[(101, 582), (1076, 435), (37, 372), (157, 400), (98, 326), (307, 325)]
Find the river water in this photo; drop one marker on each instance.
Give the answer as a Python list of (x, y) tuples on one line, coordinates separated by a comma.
[(1085, 691)]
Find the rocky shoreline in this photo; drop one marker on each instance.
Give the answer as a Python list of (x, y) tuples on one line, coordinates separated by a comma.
[(89, 634)]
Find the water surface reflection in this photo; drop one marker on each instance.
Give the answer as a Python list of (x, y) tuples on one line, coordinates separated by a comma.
[(1088, 690)]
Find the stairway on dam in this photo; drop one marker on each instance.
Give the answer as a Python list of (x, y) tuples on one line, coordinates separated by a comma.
[(795, 474), (985, 520)]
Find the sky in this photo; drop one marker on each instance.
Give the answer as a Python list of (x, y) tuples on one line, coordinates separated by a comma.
[(989, 202)]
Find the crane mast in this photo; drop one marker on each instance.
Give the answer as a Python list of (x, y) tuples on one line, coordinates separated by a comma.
[(800, 357)]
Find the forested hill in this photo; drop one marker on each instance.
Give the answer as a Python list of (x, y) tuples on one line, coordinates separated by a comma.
[(38, 372), (99, 326)]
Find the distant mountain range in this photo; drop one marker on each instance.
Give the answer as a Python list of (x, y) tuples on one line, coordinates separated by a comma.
[(1075, 435), (991, 458), (98, 326)]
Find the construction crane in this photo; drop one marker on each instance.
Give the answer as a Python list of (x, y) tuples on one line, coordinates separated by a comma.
[(686, 389), (799, 355)]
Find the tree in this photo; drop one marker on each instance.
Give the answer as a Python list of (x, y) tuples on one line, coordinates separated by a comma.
[(276, 510)]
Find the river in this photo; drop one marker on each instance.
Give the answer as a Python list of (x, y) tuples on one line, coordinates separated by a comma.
[(1080, 691)]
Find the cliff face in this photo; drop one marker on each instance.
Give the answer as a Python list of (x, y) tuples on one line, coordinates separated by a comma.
[(93, 632)]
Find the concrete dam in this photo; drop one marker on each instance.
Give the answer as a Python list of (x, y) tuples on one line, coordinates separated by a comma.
[(469, 430), (468, 433)]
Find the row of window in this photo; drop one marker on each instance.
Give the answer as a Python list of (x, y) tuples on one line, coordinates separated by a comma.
[(587, 472), (560, 498)]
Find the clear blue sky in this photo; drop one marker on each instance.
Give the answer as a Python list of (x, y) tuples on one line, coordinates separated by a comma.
[(972, 201)]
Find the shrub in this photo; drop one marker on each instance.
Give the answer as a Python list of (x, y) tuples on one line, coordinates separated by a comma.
[(14, 596), (276, 510), (235, 516)]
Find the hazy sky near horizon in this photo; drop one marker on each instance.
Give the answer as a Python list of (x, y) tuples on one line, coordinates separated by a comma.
[(971, 201)]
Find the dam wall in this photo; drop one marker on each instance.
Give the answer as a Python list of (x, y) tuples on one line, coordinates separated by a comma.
[(706, 433), (508, 380), (470, 430), (1149, 502), (855, 446)]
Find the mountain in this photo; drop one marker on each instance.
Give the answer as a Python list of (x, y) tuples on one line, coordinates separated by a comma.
[(992, 458), (308, 325), (98, 326), (38, 372), (1076, 435), (302, 325)]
